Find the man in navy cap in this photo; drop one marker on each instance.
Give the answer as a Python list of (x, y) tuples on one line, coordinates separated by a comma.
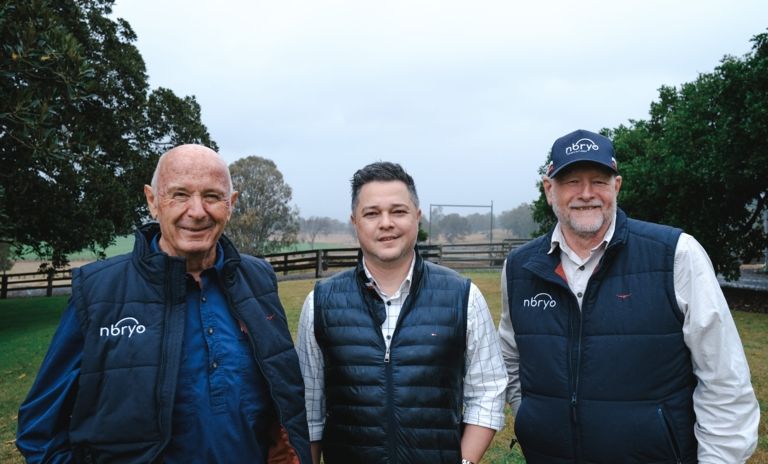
[(618, 342)]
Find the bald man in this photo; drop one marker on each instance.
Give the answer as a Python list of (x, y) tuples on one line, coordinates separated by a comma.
[(177, 352)]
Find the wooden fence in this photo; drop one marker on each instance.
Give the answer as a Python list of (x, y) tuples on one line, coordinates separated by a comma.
[(35, 283), (296, 264)]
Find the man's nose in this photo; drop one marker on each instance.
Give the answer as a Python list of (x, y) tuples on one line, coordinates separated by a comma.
[(195, 205), (386, 220)]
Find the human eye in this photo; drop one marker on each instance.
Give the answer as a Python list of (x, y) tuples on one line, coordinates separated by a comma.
[(370, 214), (213, 198), (179, 196)]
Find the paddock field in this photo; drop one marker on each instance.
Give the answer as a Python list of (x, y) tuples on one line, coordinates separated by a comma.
[(27, 325)]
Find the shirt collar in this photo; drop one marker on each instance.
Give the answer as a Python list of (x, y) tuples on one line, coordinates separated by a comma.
[(404, 287), (558, 240)]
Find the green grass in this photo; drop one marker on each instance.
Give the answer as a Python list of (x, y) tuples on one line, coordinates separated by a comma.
[(121, 245), (26, 328), (27, 325)]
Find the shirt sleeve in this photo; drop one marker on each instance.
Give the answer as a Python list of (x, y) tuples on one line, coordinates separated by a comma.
[(509, 347), (43, 428), (312, 369), (727, 412), (485, 378)]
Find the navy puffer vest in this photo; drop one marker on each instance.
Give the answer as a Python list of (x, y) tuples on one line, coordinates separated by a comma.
[(407, 408), (132, 309), (611, 383)]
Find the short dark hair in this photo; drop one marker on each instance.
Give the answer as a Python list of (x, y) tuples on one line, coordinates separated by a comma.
[(382, 171)]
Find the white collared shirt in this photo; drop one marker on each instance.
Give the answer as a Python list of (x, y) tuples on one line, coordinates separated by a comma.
[(485, 378), (727, 411), (578, 270)]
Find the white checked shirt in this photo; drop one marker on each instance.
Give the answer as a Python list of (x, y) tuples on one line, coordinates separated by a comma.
[(485, 378)]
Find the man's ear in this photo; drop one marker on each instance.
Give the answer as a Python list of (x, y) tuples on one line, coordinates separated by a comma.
[(547, 183), (149, 194)]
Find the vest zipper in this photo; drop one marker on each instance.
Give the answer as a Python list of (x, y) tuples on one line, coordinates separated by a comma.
[(392, 428), (576, 336)]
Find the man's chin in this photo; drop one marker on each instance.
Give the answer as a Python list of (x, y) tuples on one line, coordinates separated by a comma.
[(195, 247)]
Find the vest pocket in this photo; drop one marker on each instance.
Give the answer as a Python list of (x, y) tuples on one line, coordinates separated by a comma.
[(670, 434)]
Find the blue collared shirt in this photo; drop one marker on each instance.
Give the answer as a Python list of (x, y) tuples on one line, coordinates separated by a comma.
[(222, 409)]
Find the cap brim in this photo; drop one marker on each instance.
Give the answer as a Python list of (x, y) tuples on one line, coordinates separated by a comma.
[(582, 161)]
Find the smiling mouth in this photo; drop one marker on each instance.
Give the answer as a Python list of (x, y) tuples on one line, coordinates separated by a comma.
[(585, 208), (387, 239), (195, 229)]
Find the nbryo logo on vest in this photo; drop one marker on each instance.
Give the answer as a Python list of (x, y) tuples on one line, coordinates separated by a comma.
[(542, 301), (581, 146), (127, 326)]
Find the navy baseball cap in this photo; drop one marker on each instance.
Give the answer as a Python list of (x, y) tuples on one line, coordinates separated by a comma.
[(581, 146)]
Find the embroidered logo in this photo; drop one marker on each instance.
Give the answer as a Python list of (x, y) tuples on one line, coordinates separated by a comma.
[(623, 296), (125, 326), (543, 301), (581, 146)]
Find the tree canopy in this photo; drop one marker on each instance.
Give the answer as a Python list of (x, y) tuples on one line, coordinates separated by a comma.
[(700, 161), (518, 221), (454, 227), (80, 130), (262, 219)]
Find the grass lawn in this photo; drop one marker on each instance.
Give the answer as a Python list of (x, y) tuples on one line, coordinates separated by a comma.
[(122, 245), (27, 325)]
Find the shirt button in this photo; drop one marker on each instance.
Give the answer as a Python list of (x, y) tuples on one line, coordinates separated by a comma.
[(579, 294), (389, 336), (203, 299), (210, 330), (214, 365), (581, 268), (389, 303)]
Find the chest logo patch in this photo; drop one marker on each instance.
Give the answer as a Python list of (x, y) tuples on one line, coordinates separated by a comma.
[(127, 326), (543, 301)]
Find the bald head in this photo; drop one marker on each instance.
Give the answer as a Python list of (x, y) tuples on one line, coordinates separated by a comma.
[(189, 156), (191, 198)]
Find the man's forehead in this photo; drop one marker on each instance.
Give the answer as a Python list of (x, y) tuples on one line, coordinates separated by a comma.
[(182, 168)]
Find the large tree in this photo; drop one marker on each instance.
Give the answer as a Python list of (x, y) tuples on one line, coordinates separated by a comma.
[(80, 130), (454, 227), (518, 221), (263, 220), (700, 162)]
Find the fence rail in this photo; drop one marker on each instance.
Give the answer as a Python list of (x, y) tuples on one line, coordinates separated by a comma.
[(26, 282), (315, 263)]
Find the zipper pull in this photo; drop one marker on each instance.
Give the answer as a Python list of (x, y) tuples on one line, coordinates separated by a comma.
[(386, 356), (574, 402)]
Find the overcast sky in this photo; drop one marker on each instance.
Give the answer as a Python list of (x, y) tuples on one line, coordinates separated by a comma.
[(467, 96)]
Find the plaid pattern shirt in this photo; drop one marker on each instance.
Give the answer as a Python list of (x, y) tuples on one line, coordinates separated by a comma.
[(485, 378)]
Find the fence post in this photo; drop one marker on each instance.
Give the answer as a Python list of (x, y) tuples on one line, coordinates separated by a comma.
[(4, 291), (318, 263), (285, 264), (49, 289)]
